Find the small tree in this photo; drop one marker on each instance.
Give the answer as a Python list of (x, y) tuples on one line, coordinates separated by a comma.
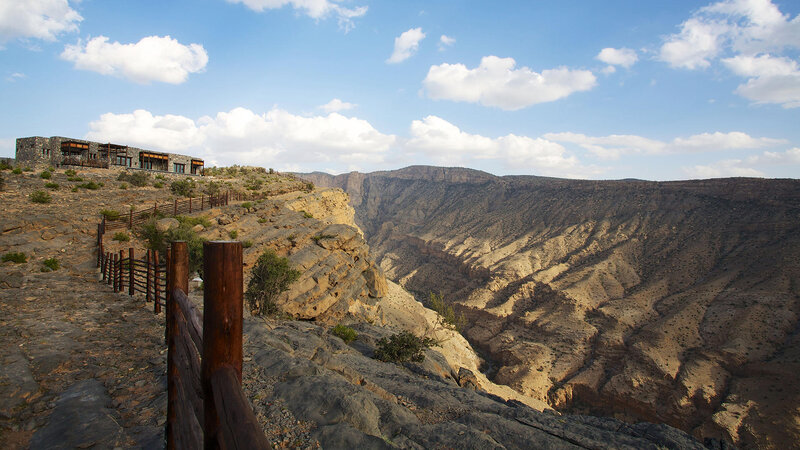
[(403, 346), (446, 315), (270, 276)]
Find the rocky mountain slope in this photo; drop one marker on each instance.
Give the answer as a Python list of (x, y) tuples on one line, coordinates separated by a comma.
[(85, 367), (674, 302)]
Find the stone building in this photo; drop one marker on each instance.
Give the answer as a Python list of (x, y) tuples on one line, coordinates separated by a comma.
[(62, 151)]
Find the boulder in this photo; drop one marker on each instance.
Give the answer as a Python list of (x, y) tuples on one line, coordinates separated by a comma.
[(376, 282), (198, 228), (167, 224)]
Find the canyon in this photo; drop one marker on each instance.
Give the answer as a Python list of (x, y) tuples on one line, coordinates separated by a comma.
[(674, 302)]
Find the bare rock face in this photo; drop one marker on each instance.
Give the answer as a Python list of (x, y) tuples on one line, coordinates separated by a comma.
[(338, 276), (166, 224), (670, 302)]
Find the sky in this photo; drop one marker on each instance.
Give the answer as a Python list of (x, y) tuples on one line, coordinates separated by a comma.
[(576, 89)]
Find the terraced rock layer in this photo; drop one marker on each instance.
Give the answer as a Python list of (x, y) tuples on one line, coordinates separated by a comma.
[(676, 302)]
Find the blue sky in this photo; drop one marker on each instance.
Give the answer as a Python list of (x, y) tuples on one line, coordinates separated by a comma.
[(579, 89)]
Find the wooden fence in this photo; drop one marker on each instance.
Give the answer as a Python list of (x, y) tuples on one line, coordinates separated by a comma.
[(146, 276), (173, 208), (206, 406)]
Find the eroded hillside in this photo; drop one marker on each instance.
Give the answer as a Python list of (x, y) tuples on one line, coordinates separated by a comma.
[(674, 302)]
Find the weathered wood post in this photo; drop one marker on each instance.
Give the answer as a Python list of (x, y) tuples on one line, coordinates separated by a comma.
[(107, 273), (130, 271), (222, 322), (103, 265), (119, 270), (177, 278), (156, 276), (149, 274), (190, 205), (99, 245), (114, 265)]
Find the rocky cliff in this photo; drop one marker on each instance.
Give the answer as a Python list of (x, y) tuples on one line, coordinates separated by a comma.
[(674, 302)]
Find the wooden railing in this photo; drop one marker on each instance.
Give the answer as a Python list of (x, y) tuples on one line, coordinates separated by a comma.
[(206, 406), (173, 208), (145, 276)]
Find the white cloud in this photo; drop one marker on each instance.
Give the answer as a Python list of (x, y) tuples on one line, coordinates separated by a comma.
[(406, 45), (497, 83), (747, 167), (37, 19), (446, 41), (16, 76), (624, 57), (336, 105), (616, 145), (773, 79), (749, 36), (445, 143), (153, 58), (316, 9), (275, 139)]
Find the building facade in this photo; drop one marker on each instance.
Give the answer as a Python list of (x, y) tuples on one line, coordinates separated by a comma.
[(62, 151)]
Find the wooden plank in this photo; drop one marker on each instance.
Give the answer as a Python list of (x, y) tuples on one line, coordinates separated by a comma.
[(188, 433), (238, 427), (193, 316)]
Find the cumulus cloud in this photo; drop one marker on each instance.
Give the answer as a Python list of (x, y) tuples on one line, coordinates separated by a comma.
[(336, 105), (624, 57), (273, 139), (446, 41), (746, 167), (616, 145), (748, 36), (153, 58), (316, 9), (406, 45), (496, 82), (36, 19), (445, 143)]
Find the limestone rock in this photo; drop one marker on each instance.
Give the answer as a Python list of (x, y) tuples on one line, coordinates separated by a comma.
[(198, 228), (376, 282), (167, 224)]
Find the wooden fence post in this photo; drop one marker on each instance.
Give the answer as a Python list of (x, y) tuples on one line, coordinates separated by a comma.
[(156, 276), (222, 322), (119, 270), (114, 273), (130, 271), (190, 205), (99, 245), (177, 278), (149, 274), (107, 271)]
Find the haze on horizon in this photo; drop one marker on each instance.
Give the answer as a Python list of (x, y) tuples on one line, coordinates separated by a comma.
[(598, 90)]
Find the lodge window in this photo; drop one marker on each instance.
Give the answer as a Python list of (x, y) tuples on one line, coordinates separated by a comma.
[(180, 168), (197, 167)]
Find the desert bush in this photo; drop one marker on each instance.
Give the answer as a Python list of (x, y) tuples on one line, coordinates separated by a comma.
[(40, 197), (212, 188), (137, 179), (50, 264), (90, 185), (158, 240), (45, 175), (233, 234), (247, 205), (262, 220), (308, 187), (74, 189), (403, 346), (70, 173), (27, 169), (16, 171), (247, 244), (184, 188), (51, 186), (111, 214), (121, 236), (15, 257), (160, 177), (74, 178), (5, 166), (123, 186), (306, 214), (270, 276), (158, 185), (446, 314), (344, 332)]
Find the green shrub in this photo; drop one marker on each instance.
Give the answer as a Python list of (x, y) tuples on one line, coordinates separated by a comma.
[(46, 175), (27, 169), (247, 205), (123, 186), (74, 178), (52, 186), (51, 169), (160, 177), (183, 188), (307, 215), (446, 314), (121, 236), (270, 276), (74, 189), (308, 187), (5, 166), (16, 257), (233, 234), (158, 185), (16, 171), (70, 173), (40, 197), (212, 188), (50, 264), (262, 220), (137, 179), (90, 185), (111, 214), (158, 240), (319, 237), (346, 333), (402, 347), (247, 244)]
